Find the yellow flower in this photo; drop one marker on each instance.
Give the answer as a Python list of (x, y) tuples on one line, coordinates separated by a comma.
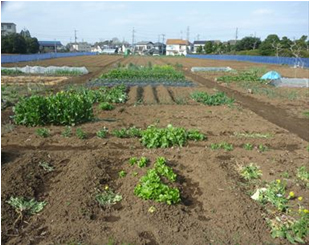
[(300, 198), (292, 194), (106, 187), (278, 181), (306, 211)]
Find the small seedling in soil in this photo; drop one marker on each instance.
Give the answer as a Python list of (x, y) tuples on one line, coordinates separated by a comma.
[(143, 162), (80, 133), (108, 197), (251, 172), (248, 146), (23, 206), (43, 132), (195, 135), (262, 148), (67, 132), (106, 106), (285, 175), (303, 175), (102, 133), (133, 161), (46, 166), (225, 146), (122, 174), (134, 174)]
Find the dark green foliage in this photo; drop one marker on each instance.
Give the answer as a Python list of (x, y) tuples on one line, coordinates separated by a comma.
[(18, 44), (127, 133), (248, 43), (10, 72), (211, 100), (106, 106)]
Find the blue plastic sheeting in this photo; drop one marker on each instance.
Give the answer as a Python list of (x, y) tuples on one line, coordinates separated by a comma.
[(302, 62), (271, 76), (38, 57)]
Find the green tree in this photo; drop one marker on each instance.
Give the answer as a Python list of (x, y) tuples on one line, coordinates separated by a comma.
[(208, 47), (32, 45), (270, 46), (248, 43), (199, 49)]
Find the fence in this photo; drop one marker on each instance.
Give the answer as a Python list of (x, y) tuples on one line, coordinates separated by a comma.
[(300, 62), (38, 57)]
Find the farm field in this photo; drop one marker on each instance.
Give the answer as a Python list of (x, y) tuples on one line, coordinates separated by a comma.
[(69, 170)]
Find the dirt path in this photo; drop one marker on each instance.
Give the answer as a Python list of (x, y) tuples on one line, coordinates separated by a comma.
[(271, 113)]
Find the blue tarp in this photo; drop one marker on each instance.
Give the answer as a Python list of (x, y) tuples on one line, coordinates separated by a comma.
[(301, 62), (271, 75), (38, 57)]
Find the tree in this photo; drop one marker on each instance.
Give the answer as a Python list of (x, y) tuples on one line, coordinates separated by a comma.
[(17, 44), (25, 33), (248, 43), (208, 47), (270, 46), (32, 45), (199, 49)]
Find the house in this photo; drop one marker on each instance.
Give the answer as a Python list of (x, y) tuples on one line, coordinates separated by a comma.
[(50, 46), (144, 47), (198, 44), (82, 47), (159, 49), (7, 28), (177, 47)]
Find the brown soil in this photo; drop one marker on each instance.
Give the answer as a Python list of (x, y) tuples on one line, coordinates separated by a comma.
[(22, 80), (215, 209)]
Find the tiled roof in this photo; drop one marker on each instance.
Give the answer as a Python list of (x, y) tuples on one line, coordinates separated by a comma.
[(176, 41)]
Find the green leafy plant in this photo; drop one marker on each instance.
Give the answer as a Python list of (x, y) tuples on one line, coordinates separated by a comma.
[(251, 172), (133, 161), (11, 72), (195, 135), (43, 132), (248, 146), (275, 194), (303, 175), (23, 206), (211, 100), (106, 106), (250, 75), (46, 166), (122, 174), (80, 133), (224, 145), (142, 162), (162, 169), (127, 133), (262, 148), (295, 231), (108, 197), (252, 135), (67, 132), (102, 133)]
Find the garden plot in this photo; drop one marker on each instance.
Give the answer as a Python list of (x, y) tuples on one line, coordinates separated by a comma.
[(186, 167), (51, 70), (31, 80)]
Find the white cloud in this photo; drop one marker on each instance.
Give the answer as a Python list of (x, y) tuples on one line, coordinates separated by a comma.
[(263, 12)]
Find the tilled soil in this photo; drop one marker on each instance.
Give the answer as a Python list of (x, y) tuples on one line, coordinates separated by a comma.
[(215, 206)]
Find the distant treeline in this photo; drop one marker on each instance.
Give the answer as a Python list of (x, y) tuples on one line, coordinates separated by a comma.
[(19, 43), (271, 46)]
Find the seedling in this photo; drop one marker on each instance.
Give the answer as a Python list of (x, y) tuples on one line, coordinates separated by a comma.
[(122, 174), (252, 135), (262, 148), (43, 132), (251, 172), (224, 145), (248, 146), (102, 133), (23, 206), (46, 166), (285, 175), (303, 175), (107, 198), (67, 132), (80, 133), (133, 161), (143, 162), (195, 135), (106, 106)]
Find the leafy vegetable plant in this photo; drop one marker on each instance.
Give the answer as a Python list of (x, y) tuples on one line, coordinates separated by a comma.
[(224, 145), (108, 197), (251, 172), (211, 100), (122, 174), (106, 106), (46, 166), (80, 133), (43, 132), (102, 133), (67, 132)]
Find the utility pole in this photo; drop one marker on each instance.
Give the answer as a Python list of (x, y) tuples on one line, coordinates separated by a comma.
[(158, 38), (198, 37), (133, 36), (162, 50), (187, 33), (55, 45), (75, 37), (181, 34), (236, 37)]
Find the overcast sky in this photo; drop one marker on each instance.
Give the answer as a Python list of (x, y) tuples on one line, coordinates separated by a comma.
[(98, 21)]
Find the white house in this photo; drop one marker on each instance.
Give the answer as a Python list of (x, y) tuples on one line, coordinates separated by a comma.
[(198, 44), (7, 28), (177, 47), (143, 47), (82, 47)]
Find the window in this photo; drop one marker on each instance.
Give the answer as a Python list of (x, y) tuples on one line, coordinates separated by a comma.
[(9, 26)]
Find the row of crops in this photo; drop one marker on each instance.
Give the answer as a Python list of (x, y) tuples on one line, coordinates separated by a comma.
[(141, 76)]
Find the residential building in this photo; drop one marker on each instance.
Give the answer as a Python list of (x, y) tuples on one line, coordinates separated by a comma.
[(198, 44), (50, 46), (144, 47), (82, 47), (7, 28), (159, 49), (177, 47)]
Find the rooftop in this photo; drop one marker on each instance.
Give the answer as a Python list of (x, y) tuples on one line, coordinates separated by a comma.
[(177, 41)]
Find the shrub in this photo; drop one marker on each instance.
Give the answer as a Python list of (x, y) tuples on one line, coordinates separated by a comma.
[(106, 106)]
